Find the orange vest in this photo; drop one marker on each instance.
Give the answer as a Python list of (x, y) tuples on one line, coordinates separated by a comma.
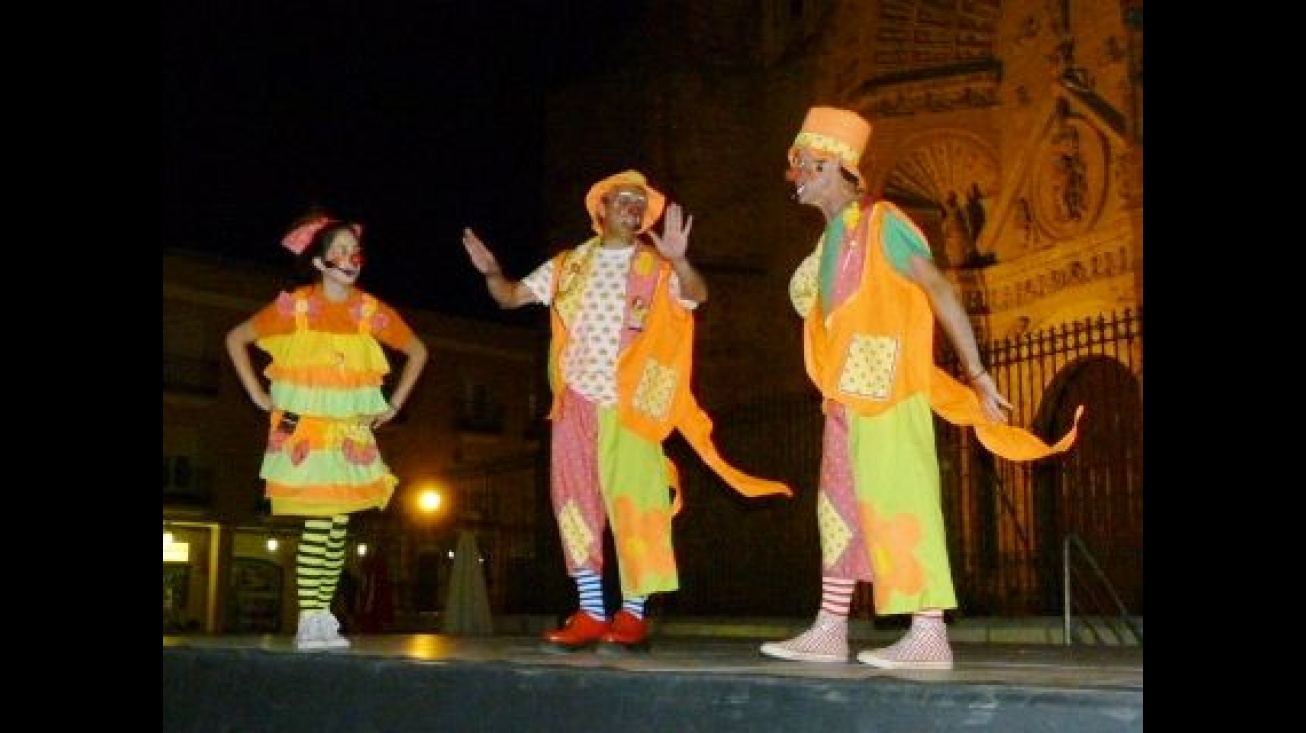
[(876, 349), (654, 366)]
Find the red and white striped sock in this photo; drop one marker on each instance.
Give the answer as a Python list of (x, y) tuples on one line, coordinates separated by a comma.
[(836, 595)]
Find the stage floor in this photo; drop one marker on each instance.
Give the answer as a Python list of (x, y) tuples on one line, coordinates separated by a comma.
[(1041, 665), (249, 683)]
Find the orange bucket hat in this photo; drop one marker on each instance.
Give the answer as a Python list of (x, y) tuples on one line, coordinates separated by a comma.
[(594, 199), (834, 132)]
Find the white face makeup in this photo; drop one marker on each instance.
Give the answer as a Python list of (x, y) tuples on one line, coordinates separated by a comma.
[(624, 207), (810, 175), (343, 259)]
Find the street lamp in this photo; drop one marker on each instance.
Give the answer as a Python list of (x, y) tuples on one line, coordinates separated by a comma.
[(429, 501), (427, 505)]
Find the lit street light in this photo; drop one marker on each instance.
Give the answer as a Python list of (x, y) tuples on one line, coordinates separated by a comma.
[(429, 500)]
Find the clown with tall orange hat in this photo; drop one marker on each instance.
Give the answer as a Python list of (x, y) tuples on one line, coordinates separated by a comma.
[(869, 294), (620, 366)]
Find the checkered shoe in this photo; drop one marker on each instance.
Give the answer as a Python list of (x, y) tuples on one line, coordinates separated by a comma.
[(925, 646), (826, 641)]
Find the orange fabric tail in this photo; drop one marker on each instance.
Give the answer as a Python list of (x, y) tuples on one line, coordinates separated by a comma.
[(696, 426), (957, 403)]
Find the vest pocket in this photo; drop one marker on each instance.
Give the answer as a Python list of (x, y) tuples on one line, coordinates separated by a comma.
[(869, 368), (657, 387)]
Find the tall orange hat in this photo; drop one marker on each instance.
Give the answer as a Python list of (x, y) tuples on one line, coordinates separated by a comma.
[(594, 199), (834, 132)]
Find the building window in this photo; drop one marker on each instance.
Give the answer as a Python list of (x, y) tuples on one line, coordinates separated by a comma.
[(478, 410), (186, 483)]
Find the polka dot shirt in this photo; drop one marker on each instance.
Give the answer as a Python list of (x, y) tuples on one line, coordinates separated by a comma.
[(590, 361)]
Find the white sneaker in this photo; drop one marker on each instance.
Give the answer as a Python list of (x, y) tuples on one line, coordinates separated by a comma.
[(329, 631), (309, 636)]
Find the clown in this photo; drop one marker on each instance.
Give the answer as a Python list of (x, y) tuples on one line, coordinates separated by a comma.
[(327, 366), (620, 365), (869, 294)]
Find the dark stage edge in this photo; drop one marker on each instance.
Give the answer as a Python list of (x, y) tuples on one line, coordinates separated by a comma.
[(396, 683)]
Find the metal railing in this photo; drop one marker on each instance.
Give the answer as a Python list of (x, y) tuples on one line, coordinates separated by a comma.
[(1006, 520), (1102, 627)]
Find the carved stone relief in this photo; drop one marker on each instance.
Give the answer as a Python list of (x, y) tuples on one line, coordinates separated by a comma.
[(958, 174), (1069, 182), (1047, 281), (972, 91), (1129, 177)]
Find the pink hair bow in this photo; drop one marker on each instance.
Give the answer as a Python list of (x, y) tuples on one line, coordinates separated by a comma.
[(298, 239)]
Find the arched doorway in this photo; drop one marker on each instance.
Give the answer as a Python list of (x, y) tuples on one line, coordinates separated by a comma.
[(1095, 490)]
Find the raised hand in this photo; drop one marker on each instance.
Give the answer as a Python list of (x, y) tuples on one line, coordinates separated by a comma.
[(482, 258), (675, 233)]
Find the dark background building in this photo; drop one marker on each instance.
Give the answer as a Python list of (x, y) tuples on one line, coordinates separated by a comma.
[(1012, 131)]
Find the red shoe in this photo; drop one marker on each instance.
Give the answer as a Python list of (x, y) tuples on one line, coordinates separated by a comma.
[(627, 631), (580, 631)]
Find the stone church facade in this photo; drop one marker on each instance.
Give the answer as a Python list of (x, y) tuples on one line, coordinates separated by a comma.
[(1011, 131)]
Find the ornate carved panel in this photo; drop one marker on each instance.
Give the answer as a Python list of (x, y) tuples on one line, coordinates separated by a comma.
[(955, 92), (916, 34), (1069, 182)]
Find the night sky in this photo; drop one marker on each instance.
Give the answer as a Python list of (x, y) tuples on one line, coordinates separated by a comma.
[(415, 118)]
